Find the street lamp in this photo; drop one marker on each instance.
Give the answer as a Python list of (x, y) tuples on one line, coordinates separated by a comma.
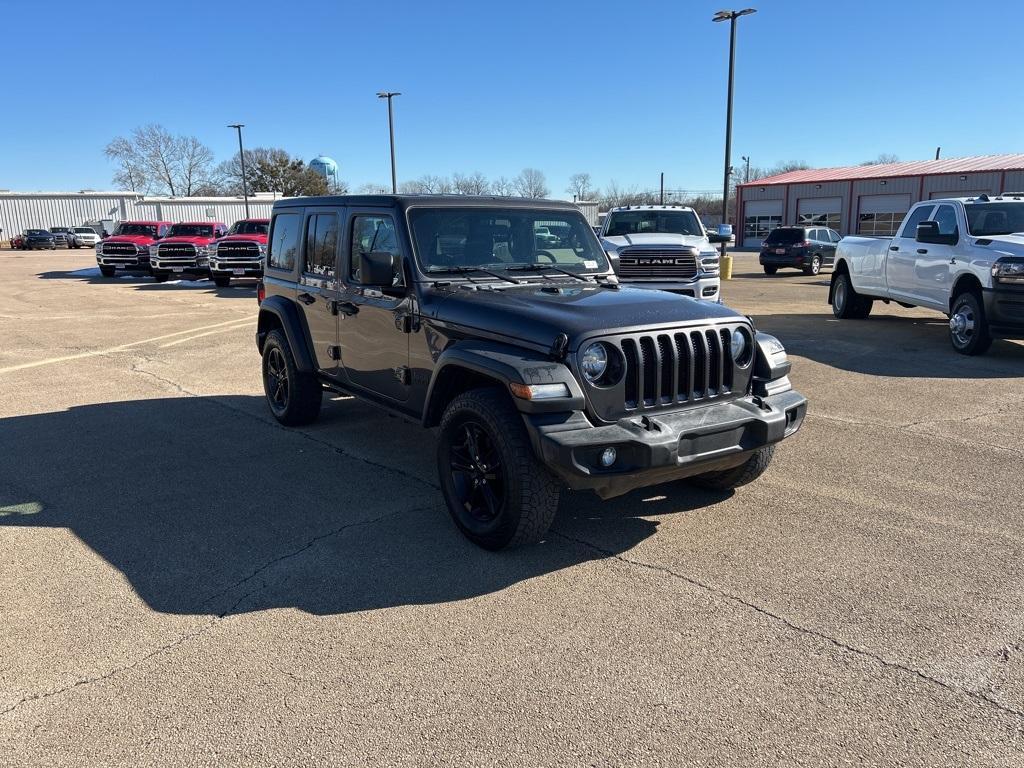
[(746, 175), (731, 17), (389, 95), (241, 156)]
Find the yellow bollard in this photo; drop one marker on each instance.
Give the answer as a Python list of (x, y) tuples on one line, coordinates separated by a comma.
[(726, 267)]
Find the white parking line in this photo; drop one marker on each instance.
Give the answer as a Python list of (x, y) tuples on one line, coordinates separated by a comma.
[(119, 348), (208, 333)]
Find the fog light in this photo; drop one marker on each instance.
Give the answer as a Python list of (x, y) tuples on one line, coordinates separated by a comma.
[(608, 456)]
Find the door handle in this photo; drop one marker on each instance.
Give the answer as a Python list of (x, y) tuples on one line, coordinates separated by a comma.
[(306, 298), (922, 250), (894, 247), (346, 308)]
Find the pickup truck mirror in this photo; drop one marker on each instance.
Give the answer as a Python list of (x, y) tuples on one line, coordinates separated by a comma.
[(928, 232), (376, 269)]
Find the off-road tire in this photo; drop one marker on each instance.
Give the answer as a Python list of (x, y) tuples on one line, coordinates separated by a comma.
[(979, 341), (814, 267), (747, 472), (529, 491), (847, 304), (108, 271), (770, 270), (222, 282), (304, 393)]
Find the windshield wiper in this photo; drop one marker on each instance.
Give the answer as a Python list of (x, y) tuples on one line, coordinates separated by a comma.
[(467, 270), (543, 268)]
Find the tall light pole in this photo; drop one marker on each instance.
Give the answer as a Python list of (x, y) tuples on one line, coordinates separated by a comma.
[(746, 175), (241, 156), (731, 17), (389, 95)]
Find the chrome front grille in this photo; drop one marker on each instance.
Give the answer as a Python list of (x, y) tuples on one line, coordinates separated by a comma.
[(177, 251), (680, 367), (119, 249), (636, 261), (240, 251)]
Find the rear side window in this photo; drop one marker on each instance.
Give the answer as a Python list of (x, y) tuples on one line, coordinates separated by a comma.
[(785, 236), (284, 241), (321, 244), (919, 215)]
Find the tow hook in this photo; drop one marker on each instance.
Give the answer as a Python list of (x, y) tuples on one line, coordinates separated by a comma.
[(760, 403)]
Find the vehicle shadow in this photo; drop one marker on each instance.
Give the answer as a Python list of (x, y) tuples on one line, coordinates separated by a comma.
[(144, 282), (889, 345), (207, 506)]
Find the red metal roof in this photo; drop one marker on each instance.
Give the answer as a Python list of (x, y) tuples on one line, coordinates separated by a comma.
[(890, 170)]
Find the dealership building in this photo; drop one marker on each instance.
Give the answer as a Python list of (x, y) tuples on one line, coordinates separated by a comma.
[(867, 199)]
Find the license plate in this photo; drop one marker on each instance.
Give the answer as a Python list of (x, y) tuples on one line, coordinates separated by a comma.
[(177, 269), (780, 251), (237, 271)]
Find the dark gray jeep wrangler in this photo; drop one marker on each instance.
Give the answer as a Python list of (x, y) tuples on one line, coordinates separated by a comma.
[(500, 321)]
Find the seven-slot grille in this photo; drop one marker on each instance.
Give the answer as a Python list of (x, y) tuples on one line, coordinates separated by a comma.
[(241, 251), (119, 249), (637, 261), (679, 367), (177, 251)]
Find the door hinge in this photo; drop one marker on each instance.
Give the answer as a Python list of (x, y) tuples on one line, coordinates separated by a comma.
[(404, 323), (334, 353), (404, 375)]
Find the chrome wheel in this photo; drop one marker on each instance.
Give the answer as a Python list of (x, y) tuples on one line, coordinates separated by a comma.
[(962, 324), (841, 294)]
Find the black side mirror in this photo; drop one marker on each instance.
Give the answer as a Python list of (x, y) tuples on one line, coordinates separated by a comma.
[(376, 269), (928, 232)]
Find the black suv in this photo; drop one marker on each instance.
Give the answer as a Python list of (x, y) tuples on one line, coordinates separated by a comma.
[(806, 248), (538, 368)]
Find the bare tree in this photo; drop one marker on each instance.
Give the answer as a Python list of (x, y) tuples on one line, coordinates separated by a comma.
[(372, 189), (130, 173), (411, 187), (579, 186), (195, 160), (883, 159), (502, 187), (531, 183), (474, 184), (786, 167)]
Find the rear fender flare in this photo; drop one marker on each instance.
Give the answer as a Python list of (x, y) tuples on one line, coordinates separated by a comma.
[(277, 311)]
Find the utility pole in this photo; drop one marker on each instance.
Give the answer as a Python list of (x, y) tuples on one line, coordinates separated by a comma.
[(241, 157), (937, 151), (389, 95), (731, 17)]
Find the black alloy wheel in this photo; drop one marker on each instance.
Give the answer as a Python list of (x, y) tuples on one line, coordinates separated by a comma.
[(478, 479), (275, 375)]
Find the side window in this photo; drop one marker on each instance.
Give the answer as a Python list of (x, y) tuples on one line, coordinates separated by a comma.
[(284, 241), (946, 217), (321, 244), (836, 237), (374, 233), (816, 235), (910, 225)]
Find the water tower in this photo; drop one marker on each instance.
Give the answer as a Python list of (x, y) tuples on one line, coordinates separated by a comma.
[(327, 168)]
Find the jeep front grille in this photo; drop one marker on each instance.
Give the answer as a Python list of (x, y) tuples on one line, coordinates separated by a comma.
[(176, 251), (663, 262), (683, 367)]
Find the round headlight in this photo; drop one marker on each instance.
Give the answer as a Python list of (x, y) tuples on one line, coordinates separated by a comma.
[(741, 347), (594, 361)]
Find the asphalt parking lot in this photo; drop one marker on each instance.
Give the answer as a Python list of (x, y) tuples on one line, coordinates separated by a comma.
[(183, 581)]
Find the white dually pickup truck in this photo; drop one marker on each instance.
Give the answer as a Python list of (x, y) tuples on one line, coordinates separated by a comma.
[(963, 257)]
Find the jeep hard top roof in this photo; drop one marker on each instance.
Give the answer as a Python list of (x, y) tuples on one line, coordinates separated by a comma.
[(433, 201)]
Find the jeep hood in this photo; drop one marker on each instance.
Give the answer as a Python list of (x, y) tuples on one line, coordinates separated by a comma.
[(537, 315), (657, 238)]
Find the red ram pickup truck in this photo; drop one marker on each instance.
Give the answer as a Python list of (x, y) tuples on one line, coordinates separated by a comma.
[(186, 249), (128, 247), (241, 253)]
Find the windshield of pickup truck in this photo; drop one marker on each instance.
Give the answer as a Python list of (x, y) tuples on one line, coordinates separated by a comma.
[(191, 230), (83, 231), (250, 228), (136, 229), (496, 238), (995, 218), (640, 222)]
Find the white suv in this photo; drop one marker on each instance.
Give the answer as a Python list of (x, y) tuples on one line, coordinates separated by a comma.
[(83, 237), (664, 247)]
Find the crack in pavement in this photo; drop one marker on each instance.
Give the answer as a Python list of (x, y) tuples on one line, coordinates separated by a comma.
[(914, 432), (835, 642)]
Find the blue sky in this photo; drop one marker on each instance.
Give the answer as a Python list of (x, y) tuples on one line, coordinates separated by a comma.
[(622, 90)]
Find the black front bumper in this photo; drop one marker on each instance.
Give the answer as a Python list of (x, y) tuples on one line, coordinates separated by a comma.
[(1004, 310), (664, 446)]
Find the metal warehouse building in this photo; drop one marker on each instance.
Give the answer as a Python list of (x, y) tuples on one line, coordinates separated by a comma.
[(24, 210), (867, 199)]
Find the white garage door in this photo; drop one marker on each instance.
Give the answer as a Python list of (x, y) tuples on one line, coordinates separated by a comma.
[(759, 218), (819, 211), (880, 215)]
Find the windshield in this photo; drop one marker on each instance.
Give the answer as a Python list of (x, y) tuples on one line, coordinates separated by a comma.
[(136, 229), (250, 228), (783, 236), (191, 230), (995, 218), (83, 231), (496, 238), (640, 222), (42, 232), (60, 230)]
